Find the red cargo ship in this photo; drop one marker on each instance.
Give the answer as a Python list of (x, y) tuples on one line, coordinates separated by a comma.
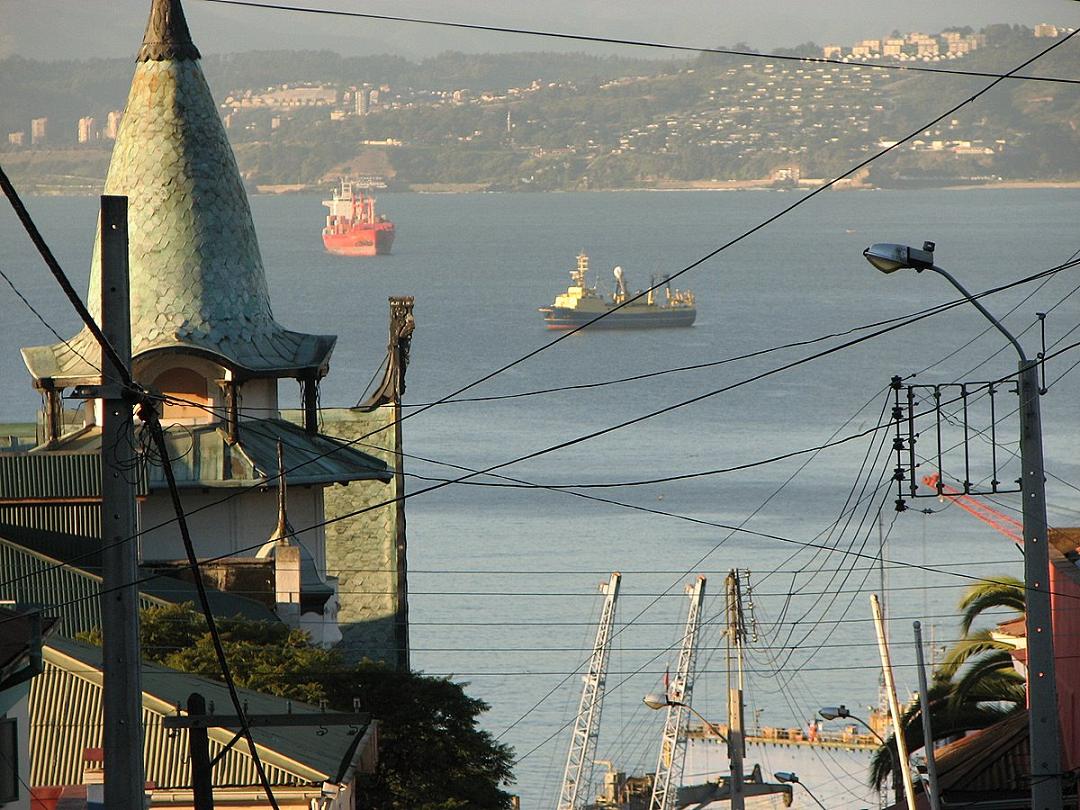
[(352, 227)]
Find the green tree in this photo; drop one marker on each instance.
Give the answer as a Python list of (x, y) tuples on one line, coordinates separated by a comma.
[(432, 753), (974, 687)]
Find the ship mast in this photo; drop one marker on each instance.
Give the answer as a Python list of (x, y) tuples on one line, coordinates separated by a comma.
[(669, 764), (579, 759), (577, 277)]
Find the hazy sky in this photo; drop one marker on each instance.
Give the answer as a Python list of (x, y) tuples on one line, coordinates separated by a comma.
[(51, 29)]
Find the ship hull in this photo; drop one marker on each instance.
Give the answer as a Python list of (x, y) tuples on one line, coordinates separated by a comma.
[(561, 318), (360, 241)]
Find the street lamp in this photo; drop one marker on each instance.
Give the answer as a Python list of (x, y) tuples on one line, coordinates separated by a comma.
[(841, 713), (658, 700), (1043, 731), (793, 778)]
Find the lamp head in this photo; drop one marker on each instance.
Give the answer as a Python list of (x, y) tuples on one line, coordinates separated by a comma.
[(656, 700), (888, 257), (786, 776), (833, 712)]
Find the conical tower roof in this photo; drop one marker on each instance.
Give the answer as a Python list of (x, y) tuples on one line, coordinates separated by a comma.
[(197, 279)]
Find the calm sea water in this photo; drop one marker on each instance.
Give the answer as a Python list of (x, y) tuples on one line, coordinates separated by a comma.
[(504, 580)]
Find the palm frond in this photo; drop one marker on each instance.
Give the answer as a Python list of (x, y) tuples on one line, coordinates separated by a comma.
[(945, 724), (1004, 592), (962, 651)]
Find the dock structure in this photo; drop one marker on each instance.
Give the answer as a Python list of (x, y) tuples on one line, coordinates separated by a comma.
[(848, 738)]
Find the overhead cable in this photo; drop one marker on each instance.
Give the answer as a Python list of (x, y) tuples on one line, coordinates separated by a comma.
[(637, 43)]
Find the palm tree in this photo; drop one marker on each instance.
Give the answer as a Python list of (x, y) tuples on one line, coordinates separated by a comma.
[(974, 687)]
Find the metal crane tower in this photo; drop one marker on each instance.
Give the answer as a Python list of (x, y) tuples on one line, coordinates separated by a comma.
[(669, 764), (587, 723)]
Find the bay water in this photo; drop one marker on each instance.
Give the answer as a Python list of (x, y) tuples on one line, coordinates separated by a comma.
[(504, 579)]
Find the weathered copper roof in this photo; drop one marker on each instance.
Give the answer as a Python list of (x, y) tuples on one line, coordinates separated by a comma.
[(197, 279)]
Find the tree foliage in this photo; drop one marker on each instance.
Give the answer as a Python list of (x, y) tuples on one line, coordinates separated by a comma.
[(432, 753), (974, 687)]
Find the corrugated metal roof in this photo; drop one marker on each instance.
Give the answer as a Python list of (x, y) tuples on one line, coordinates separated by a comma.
[(65, 719), (70, 593), (63, 530), (203, 457), (44, 475)]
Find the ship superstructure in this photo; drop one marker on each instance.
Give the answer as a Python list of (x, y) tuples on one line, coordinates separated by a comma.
[(582, 304), (352, 226)]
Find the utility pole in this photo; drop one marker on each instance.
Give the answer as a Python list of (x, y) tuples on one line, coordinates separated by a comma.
[(736, 734), (197, 722), (125, 785), (1044, 731), (894, 706), (924, 711), (202, 782)]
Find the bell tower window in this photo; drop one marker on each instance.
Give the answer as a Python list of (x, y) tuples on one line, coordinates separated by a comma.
[(186, 396)]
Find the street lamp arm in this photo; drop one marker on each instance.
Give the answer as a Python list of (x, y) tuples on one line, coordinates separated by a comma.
[(841, 713), (658, 700), (884, 743), (963, 291), (701, 717), (812, 796), (870, 728)]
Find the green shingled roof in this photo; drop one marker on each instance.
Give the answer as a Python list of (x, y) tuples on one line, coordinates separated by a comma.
[(197, 279)]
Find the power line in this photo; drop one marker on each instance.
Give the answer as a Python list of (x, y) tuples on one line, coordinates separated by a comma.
[(147, 412), (44, 322), (638, 43), (785, 211), (744, 235), (61, 278)]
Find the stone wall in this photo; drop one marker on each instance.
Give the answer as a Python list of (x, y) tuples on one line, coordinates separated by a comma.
[(366, 551)]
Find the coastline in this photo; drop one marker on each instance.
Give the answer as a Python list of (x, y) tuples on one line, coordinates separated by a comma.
[(89, 189)]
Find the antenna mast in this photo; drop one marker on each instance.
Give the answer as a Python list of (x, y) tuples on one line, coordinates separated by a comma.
[(669, 765), (587, 723)]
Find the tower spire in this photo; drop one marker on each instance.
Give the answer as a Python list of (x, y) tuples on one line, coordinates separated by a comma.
[(284, 530), (167, 35)]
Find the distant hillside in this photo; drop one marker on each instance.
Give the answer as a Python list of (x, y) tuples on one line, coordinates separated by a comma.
[(538, 121), (66, 91)]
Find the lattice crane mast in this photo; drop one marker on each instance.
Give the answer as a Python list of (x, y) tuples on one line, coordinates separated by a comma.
[(579, 759), (999, 521), (669, 764)]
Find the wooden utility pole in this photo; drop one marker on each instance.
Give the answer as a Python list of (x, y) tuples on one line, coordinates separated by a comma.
[(122, 690), (202, 782), (894, 706), (197, 721), (736, 733)]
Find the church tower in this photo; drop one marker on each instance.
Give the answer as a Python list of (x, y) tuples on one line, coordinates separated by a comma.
[(204, 338)]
